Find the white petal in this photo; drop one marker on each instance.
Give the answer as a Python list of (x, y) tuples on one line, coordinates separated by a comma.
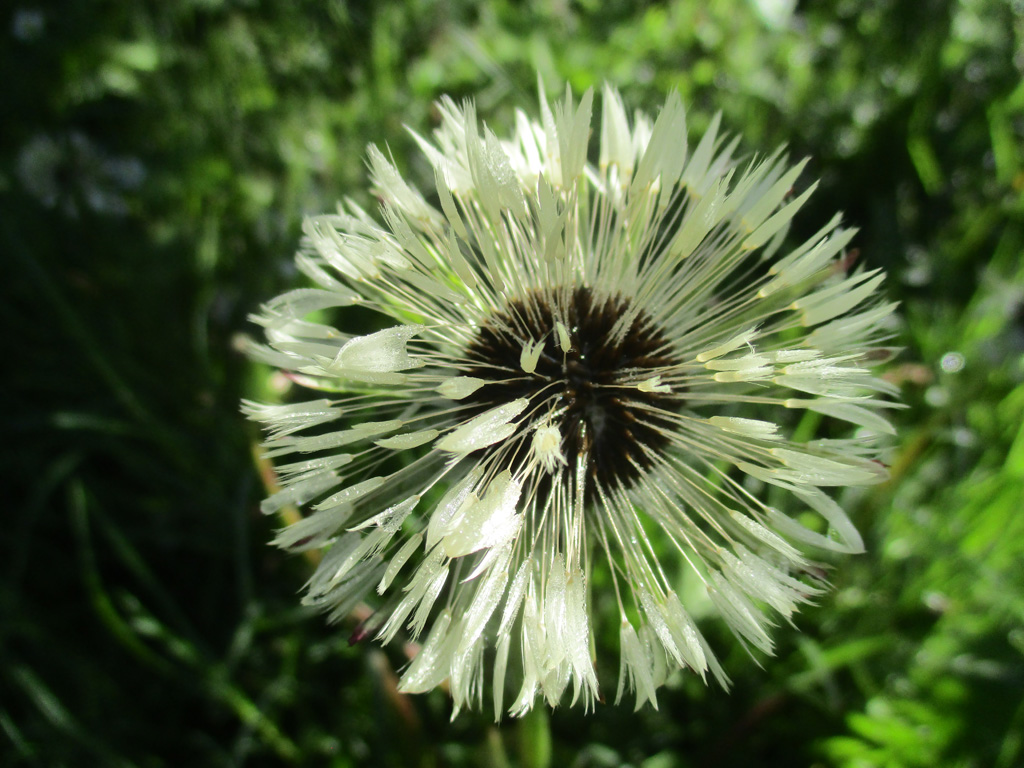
[(564, 342), (577, 638), (686, 635), (807, 260), (764, 430), (407, 440), (483, 430), (846, 536), (547, 447), (380, 352), (739, 613), (311, 532), (616, 141), (353, 492), (450, 504), (500, 665), (653, 384), (459, 387), (431, 665), (424, 587), (837, 300), (291, 444), (530, 355), (764, 582), (746, 337), (285, 419), (769, 199), (745, 363), (487, 522), (635, 665), (819, 470), (766, 231), (768, 537), (298, 493), (392, 517), (485, 601), (400, 558), (393, 187)]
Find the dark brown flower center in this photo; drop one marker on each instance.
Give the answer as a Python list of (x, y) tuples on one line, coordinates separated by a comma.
[(617, 426)]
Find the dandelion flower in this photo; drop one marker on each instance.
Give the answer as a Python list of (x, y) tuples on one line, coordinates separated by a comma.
[(580, 369)]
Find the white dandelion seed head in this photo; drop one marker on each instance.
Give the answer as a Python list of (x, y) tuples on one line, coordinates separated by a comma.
[(572, 355)]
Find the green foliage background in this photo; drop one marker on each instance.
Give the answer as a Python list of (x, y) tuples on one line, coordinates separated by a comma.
[(156, 159)]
